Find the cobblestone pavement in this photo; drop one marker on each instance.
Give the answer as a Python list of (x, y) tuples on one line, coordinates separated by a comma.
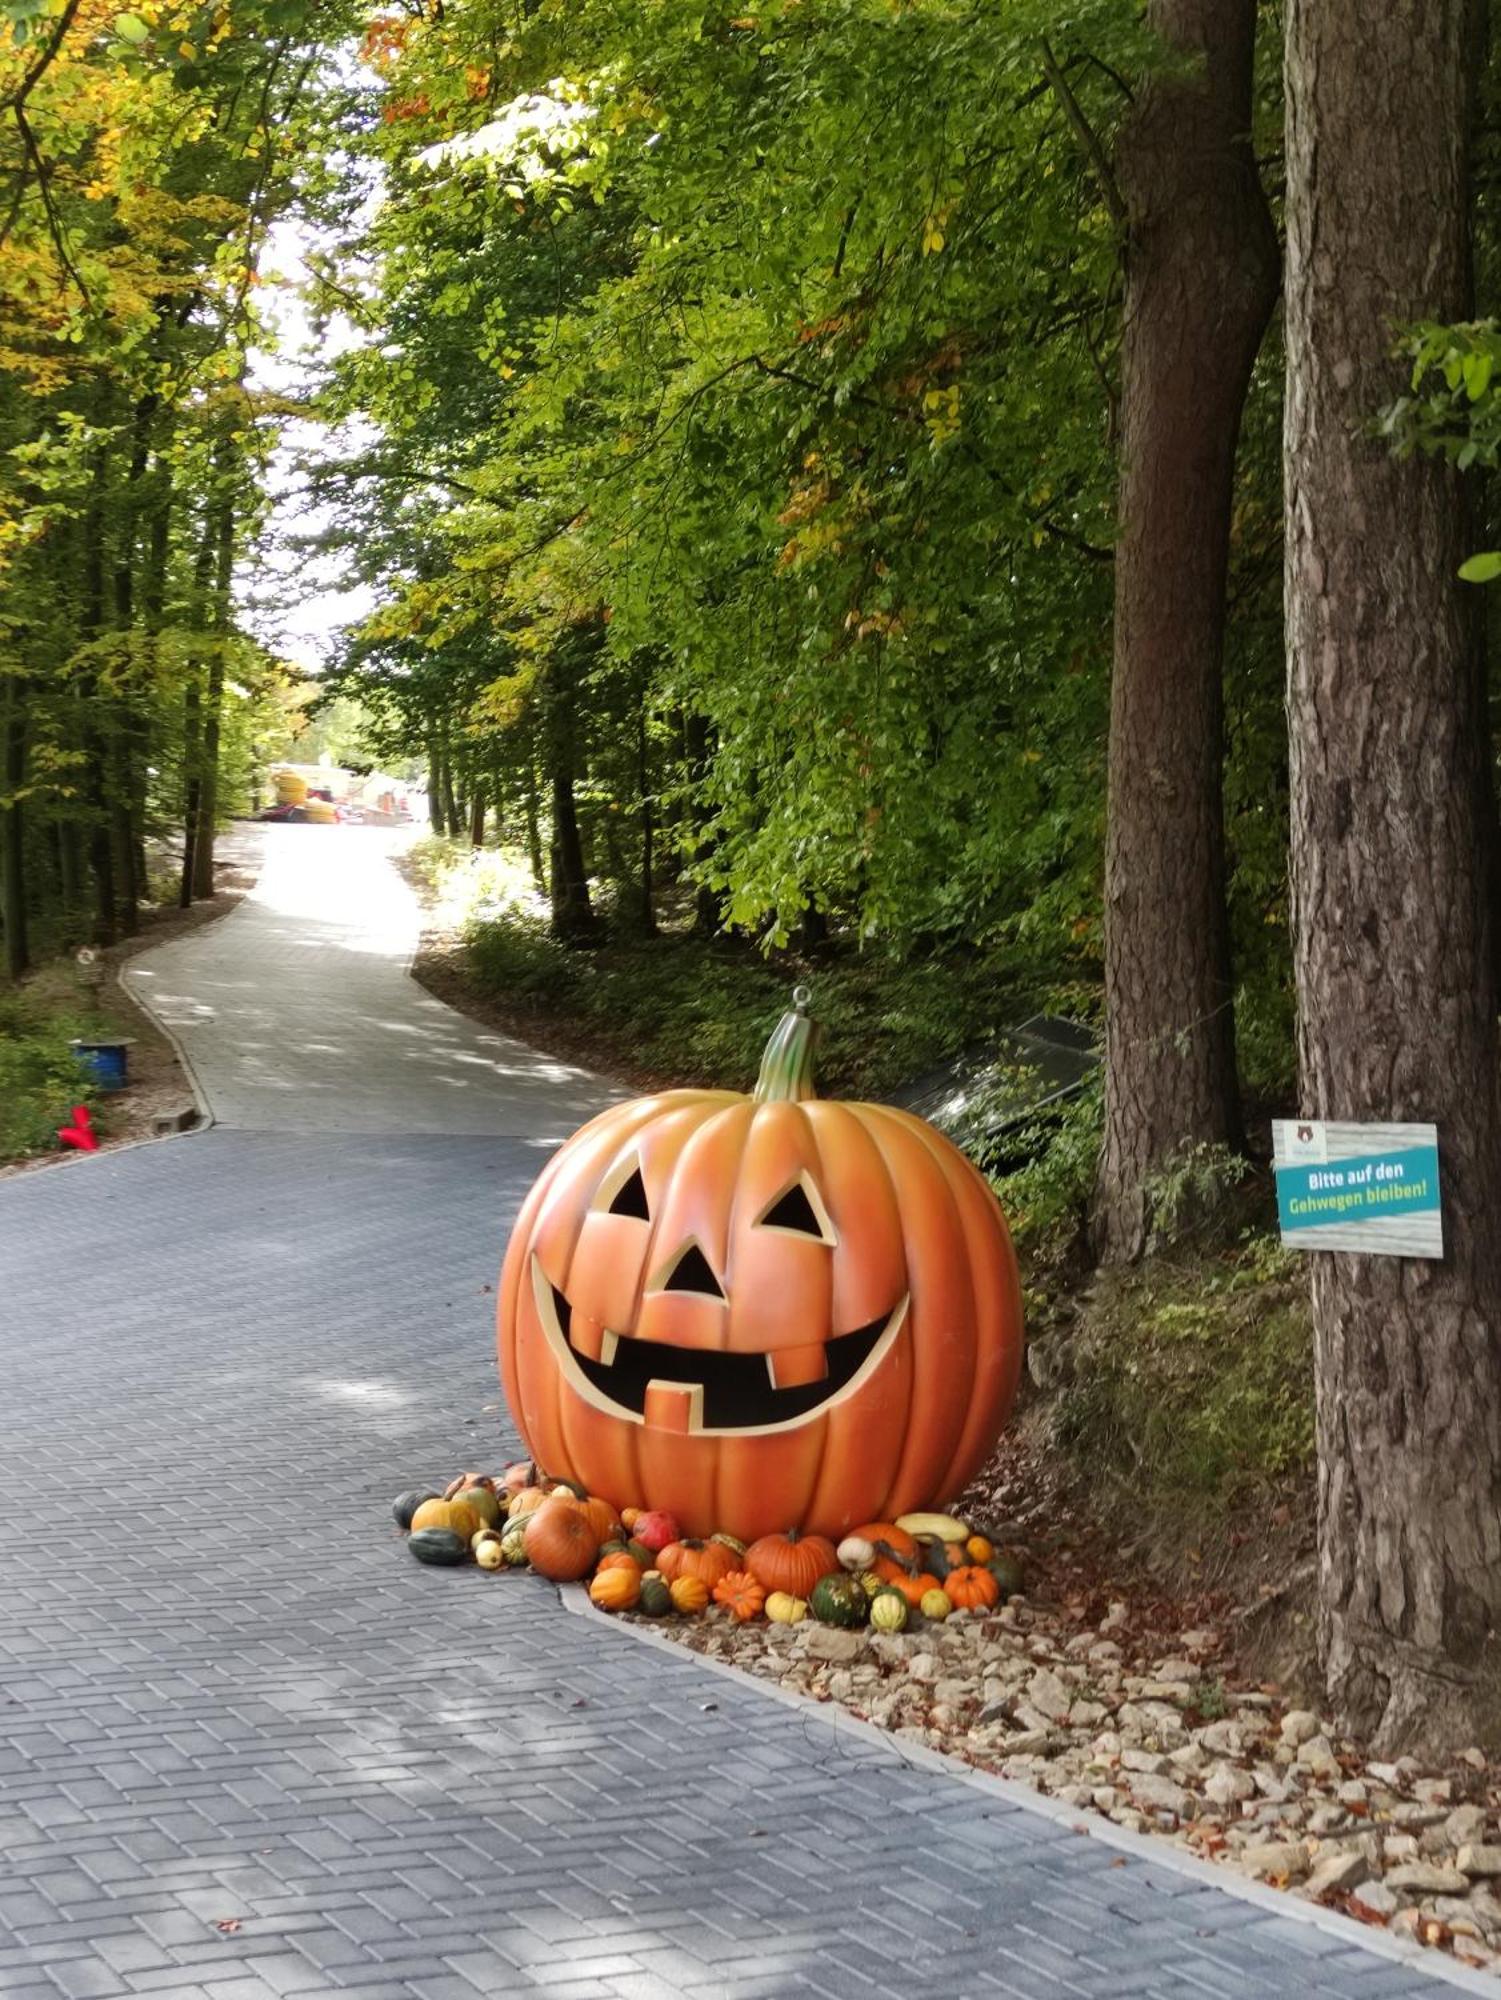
[(297, 1015), (248, 1749)]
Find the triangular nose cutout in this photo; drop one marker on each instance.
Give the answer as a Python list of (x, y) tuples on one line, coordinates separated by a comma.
[(793, 1211), (691, 1273)]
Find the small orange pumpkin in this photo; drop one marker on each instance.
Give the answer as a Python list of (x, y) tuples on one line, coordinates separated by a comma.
[(602, 1518), (971, 1588), (616, 1589), (708, 1560), (560, 1544), (979, 1548), (690, 1595), (528, 1500), (913, 1588), (886, 1537), (741, 1595), (617, 1559), (791, 1562)]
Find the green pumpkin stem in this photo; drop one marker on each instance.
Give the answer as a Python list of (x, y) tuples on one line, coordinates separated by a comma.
[(787, 1066)]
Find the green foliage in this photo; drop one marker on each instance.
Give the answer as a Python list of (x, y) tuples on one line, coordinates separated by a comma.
[(40, 1076), (1193, 1377)]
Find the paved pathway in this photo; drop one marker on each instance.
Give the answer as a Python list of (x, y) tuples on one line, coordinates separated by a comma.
[(248, 1749), (297, 1016)]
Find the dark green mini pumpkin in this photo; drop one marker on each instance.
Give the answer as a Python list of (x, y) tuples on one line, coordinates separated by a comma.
[(656, 1597), (838, 1600), (405, 1505), (1007, 1572), (643, 1555), (438, 1545)]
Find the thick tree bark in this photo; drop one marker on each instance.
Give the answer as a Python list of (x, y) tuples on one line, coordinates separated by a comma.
[(644, 915), (1390, 873), (477, 810), (12, 848), (1201, 281), (532, 806), (698, 750), (206, 822)]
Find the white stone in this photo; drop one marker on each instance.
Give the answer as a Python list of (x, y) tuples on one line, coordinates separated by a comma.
[(1425, 1878), (1227, 1785), (1475, 1858), (1047, 1693), (1374, 1898), (1299, 1725), (828, 1642), (1161, 1795), (1274, 1857), (1336, 1872)]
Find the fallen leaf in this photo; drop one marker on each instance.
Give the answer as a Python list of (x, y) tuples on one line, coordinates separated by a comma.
[(229, 1925)]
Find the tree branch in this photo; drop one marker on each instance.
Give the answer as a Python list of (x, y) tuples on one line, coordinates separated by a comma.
[(1087, 137), (42, 60), (54, 220)]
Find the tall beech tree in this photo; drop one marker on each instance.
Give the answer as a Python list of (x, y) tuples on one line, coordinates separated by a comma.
[(1201, 271), (1391, 870)]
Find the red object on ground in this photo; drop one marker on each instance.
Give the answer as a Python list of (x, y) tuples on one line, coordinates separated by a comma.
[(81, 1132)]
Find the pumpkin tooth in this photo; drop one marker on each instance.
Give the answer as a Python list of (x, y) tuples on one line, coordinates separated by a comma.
[(588, 1336), (674, 1406), (796, 1367), (608, 1342)]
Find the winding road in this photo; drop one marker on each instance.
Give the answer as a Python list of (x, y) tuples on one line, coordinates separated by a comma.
[(248, 1750)]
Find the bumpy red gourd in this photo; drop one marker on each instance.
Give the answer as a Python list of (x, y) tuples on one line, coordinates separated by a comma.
[(753, 1311)]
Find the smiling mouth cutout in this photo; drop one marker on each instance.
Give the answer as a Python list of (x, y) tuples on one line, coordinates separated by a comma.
[(709, 1391)]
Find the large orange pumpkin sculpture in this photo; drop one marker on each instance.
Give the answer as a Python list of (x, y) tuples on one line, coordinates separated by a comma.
[(761, 1312)]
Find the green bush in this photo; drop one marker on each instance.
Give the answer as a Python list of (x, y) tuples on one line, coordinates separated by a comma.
[(40, 1077)]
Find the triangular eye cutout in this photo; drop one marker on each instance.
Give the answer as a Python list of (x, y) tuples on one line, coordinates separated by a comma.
[(800, 1211), (691, 1273), (630, 1198)]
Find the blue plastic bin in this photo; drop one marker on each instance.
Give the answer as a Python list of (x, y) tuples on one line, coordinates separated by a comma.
[(109, 1062)]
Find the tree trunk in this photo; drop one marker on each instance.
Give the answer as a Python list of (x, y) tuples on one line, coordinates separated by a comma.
[(1201, 281), (1391, 876), (96, 787), (708, 902), (12, 852), (451, 821), (192, 711), (572, 911), (532, 806), (477, 814), (646, 915), (206, 823)]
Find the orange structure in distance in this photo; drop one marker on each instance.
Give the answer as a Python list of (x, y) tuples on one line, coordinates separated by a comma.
[(761, 1312)]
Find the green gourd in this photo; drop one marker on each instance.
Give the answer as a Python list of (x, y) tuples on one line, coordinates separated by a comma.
[(838, 1600), (656, 1597), (438, 1545), (888, 1611), (405, 1505)]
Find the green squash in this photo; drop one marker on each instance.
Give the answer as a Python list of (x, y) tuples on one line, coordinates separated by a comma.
[(438, 1545), (888, 1611), (656, 1597), (405, 1505), (1007, 1572), (642, 1554), (838, 1600), (484, 1503)]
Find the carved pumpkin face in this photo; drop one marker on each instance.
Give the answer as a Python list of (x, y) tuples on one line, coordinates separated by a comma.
[(761, 1312)]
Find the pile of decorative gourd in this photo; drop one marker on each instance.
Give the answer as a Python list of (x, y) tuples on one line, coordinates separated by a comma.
[(882, 1574)]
